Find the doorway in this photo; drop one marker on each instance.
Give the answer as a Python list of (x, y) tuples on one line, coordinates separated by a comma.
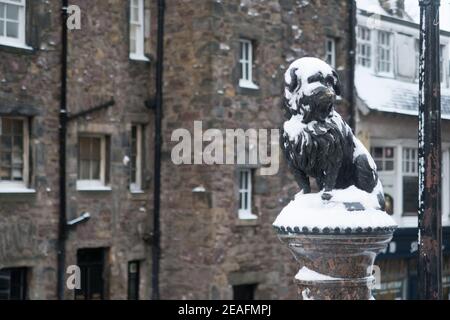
[(92, 266)]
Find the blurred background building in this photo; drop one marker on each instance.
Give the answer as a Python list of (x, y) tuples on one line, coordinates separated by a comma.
[(386, 82)]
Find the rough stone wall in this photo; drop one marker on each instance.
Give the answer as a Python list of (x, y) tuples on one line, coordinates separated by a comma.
[(99, 69), (206, 248), (29, 82), (187, 222)]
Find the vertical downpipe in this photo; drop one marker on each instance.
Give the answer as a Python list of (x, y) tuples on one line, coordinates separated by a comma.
[(62, 155), (158, 145)]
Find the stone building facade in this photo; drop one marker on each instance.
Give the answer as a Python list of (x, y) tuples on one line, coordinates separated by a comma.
[(99, 70), (208, 249), (208, 252), (386, 120)]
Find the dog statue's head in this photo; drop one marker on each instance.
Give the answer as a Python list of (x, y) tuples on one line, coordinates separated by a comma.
[(311, 87)]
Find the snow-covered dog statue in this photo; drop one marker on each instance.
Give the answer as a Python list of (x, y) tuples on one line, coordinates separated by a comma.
[(316, 140)]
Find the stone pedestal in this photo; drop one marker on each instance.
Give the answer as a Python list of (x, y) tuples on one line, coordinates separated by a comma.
[(335, 265), (335, 246)]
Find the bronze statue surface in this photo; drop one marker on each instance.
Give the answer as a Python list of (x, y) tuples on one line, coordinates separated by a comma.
[(316, 140)]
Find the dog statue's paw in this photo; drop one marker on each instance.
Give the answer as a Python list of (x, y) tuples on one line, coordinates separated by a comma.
[(305, 190), (326, 196)]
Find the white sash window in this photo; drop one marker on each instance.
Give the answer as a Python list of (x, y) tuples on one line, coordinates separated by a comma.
[(245, 194), (139, 27), (14, 154), (12, 22), (246, 64)]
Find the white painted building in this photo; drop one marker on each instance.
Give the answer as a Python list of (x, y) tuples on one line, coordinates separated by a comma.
[(387, 91)]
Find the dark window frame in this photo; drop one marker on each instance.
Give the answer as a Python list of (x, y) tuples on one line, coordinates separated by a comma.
[(91, 262), (17, 279), (134, 280), (244, 291)]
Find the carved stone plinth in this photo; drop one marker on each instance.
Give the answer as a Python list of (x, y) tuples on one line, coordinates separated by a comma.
[(335, 243), (336, 265)]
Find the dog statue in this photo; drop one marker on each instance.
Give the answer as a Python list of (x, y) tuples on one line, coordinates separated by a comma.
[(315, 139)]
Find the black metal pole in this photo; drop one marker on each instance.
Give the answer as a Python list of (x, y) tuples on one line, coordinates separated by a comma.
[(156, 249), (62, 155), (430, 227)]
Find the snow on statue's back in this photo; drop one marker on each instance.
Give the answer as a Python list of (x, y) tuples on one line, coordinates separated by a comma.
[(334, 234), (319, 144)]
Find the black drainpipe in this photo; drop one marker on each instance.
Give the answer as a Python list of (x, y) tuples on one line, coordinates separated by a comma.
[(156, 249), (62, 155), (351, 63)]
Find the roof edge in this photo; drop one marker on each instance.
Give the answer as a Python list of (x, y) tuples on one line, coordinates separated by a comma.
[(399, 21)]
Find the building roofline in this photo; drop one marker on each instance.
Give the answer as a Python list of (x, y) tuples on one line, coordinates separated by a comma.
[(408, 113), (399, 21)]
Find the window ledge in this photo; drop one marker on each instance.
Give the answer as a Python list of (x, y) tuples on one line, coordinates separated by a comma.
[(16, 45), (248, 84), (139, 57), (137, 191), (94, 189), (247, 216), (246, 221), (13, 190), (86, 186)]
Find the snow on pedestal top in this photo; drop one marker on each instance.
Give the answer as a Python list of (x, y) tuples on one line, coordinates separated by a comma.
[(310, 211)]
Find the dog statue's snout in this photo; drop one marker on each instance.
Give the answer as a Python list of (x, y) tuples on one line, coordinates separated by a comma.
[(330, 92), (323, 91), (325, 96)]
